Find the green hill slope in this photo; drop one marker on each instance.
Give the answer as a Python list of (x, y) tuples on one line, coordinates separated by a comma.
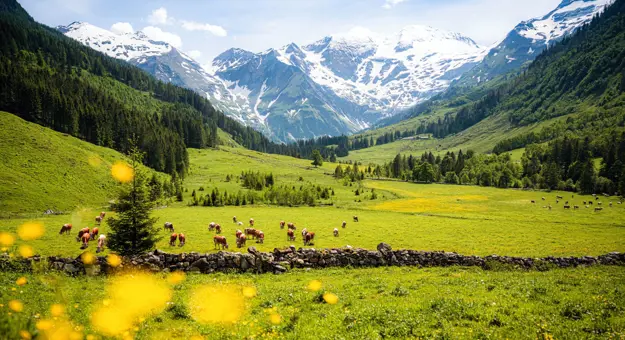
[(42, 169)]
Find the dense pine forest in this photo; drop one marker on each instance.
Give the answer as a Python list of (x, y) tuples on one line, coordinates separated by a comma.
[(57, 82)]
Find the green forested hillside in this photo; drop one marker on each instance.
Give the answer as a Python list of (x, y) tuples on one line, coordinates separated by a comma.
[(42, 169)]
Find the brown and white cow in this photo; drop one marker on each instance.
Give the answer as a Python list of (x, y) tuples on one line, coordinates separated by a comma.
[(82, 232), (218, 228), (234, 219), (211, 226), (101, 243), (282, 223), (260, 237), (98, 219), (94, 233), (251, 222), (355, 218), (291, 226), (344, 224), (181, 239), (250, 232), (65, 229), (290, 235), (336, 232), (238, 233), (172, 239), (304, 232), (241, 239), (169, 226), (309, 238), (85, 240), (220, 241)]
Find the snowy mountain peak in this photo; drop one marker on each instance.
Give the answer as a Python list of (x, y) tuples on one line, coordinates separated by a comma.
[(569, 15)]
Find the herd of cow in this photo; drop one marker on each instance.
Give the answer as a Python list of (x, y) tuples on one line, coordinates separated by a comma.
[(586, 204), (241, 237), (85, 235)]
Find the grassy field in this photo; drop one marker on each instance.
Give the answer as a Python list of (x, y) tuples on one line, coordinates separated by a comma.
[(481, 138), (396, 303), (465, 219)]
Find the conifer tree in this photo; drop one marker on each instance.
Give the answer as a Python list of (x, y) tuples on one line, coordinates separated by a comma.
[(133, 230)]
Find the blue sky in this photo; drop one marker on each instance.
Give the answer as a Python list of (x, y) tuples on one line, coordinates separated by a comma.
[(208, 27)]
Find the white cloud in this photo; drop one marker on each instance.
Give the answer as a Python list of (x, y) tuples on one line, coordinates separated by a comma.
[(391, 3), (196, 26), (159, 16), (195, 54), (158, 34), (122, 28)]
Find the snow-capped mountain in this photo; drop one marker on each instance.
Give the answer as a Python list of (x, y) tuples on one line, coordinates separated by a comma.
[(163, 61), (345, 82), (529, 38)]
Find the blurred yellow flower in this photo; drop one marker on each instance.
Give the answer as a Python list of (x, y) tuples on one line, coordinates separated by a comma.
[(6, 239), (176, 277), (330, 298), (30, 231), (25, 335), (217, 304), (131, 297), (275, 318), (87, 258), (16, 305), (314, 285), (57, 310), (57, 329), (113, 260), (122, 172), (26, 251), (21, 281), (249, 291)]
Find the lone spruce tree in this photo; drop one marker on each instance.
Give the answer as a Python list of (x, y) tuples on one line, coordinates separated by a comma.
[(317, 159), (133, 231)]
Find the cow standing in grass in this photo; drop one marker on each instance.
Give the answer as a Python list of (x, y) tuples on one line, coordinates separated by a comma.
[(65, 229), (220, 241), (260, 237), (355, 218), (309, 238), (336, 232), (182, 239), (282, 224), (290, 235), (82, 232), (251, 222), (291, 226), (241, 240), (169, 227), (250, 232), (94, 233), (344, 224), (211, 226), (172, 239), (101, 243), (218, 229), (85, 240), (234, 219)]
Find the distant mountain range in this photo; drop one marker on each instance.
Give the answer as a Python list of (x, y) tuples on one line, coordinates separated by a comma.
[(342, 83)]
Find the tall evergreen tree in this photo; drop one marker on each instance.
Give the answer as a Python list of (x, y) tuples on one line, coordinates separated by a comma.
[(133, 230), (317, 159)]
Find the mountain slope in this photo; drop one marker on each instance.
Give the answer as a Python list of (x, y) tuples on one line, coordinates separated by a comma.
[(344, 83), (580, 78), (529, 38)]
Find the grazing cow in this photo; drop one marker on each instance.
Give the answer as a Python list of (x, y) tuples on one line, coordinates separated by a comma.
[(102, 214), (220, 241), (85, 240), (168, 226), (211, 226), (309, 238), (241, 239), (590, 203), (566, 203), (181, 239), (101, 243), (172, 239), (567, 207), (336, 232), (94, 233), (65, 229), (549, 206), (599, 203), (557, 201), (282, 224), (543, 198), (218, 228), (576, 207), (533, 201), (240, 223), (355, 218), (251, 222), (238, 233), (98, 220), (291, 226), (344, 224), (82, 232), (234, 219), (584, 202), (250, 232), (260, 237), (290, 235), (559, 197), (598, 208), (304, 232), (596, 198)]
